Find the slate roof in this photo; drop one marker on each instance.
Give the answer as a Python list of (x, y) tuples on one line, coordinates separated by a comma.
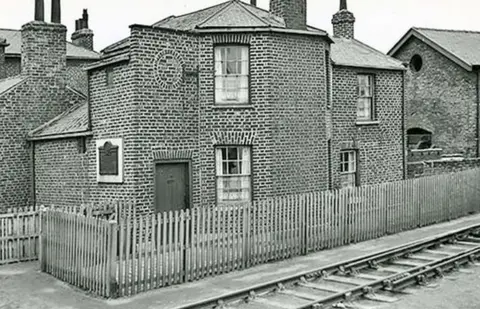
[(8, 83), (14, 38), (347, 52), (230, 14), (74, 120), (461, 46), (226, 15)]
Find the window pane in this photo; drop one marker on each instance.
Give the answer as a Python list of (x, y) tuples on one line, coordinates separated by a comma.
[(364, 107), (232, 153), (233, 168)]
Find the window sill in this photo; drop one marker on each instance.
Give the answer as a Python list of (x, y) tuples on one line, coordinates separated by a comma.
[(367, 123), (233, 106)]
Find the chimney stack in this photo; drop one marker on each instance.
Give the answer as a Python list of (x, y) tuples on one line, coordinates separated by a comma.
[(3, 69), (293, 12), (83, 36), (39, 10), (343, 22), (56, 12)]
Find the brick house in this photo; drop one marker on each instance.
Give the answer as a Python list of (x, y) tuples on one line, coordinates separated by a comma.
[(442, 87), (367, 139), (36, 84), (227, 104)]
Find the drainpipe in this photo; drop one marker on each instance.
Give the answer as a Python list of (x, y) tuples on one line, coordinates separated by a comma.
[(478, 113), (34, 193), (404, 133)]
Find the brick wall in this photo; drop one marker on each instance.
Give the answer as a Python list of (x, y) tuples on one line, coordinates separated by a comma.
[(299, 101), (12, 66), (441, 98), (61, 172), (76, 76), (37, 100), (380, 145), (113, 115), (429, 168), (294, 12)]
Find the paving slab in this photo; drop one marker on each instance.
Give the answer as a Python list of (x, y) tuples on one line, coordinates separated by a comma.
[(23, 286)]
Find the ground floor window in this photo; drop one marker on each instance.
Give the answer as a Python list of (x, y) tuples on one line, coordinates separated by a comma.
[(348, 168), (418, 138), (234, 179)]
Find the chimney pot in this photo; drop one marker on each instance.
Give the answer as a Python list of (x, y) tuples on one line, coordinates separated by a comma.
[(343, 5), (253, 2), (56, 12), (39, 10)]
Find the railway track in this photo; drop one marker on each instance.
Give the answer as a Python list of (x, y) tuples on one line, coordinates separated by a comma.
[(377, 278)]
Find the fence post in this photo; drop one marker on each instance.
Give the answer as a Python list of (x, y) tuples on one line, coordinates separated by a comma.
[(41, 250), (246, 235), (112, 260)]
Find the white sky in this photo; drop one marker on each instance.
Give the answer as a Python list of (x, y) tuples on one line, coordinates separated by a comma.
[(380, 23)]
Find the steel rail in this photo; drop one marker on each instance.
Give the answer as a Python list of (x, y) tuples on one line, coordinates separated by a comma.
[(349, 266), (387, 282)]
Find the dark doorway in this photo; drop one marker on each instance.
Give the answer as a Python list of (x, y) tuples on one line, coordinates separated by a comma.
[(172, 186)]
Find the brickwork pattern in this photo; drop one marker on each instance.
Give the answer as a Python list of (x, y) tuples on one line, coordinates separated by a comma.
[(37, 100), (84, 38), (380, 146), (113, 115), (12, 66), (76, 76), (441, 98), (61, 173), (294, 12), (344, 24)]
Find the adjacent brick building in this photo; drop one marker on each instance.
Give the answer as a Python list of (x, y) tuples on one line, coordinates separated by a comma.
[(228, 104), (367, 138), (442, 88), (35, 95)]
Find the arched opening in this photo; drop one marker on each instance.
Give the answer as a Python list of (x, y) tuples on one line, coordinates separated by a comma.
[(419, 138)]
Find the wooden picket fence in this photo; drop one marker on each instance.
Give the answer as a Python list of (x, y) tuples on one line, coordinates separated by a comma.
[(19, 234), (140, 253)]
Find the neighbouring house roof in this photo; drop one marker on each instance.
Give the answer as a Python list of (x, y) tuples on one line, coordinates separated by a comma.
[(461, 46), (353, 53), (14, 38), (9, 83), (233, 14), (73, 122)]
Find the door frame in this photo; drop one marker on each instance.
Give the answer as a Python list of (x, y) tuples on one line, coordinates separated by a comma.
[(172, 161)]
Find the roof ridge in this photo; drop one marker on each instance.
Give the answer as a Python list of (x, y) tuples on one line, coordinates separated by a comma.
[(446, 30), (227, 5), (194, 12)]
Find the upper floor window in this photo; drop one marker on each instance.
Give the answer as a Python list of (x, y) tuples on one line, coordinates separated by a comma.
[(365, 104), (232, 74), (234, 183), (348, 168), (109, 77)]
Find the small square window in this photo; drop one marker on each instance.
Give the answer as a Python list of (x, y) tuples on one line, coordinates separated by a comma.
[(233, 174), (348, 168)]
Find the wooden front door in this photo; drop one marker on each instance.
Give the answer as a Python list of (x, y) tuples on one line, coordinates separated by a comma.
[(172, 189)]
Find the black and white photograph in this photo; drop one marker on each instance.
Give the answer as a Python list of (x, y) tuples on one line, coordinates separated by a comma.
[(239, 154)]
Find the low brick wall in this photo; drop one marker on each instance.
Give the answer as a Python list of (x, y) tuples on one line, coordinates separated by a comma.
[(436, 167), (418, 155)]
